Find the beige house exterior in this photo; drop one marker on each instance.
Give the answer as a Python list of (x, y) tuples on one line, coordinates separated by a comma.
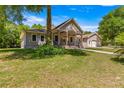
[(32, 38), (91, 40), (68, 35)]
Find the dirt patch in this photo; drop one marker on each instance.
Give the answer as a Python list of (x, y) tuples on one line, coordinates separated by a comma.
[(2, 61)]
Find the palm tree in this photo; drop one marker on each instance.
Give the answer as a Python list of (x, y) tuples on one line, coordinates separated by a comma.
[(49, 22)]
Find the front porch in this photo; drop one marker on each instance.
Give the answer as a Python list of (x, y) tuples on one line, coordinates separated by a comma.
[(67, 39), (68, 34)]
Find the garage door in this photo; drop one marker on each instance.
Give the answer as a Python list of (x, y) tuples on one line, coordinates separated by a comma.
[(93, 44)]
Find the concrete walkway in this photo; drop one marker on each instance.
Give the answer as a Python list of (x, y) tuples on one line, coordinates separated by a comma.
[(98, 51)]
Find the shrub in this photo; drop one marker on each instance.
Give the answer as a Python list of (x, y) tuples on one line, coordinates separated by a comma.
[(48, 50), (120, 53)]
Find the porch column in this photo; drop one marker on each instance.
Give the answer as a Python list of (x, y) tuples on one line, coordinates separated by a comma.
[(81, 41), (75, 40), (67, 38), (52, 38), (59, 38)]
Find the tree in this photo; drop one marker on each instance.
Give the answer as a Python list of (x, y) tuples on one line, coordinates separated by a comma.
[(119, 39), (37, 26), (10, 37), (87, 32), (15, 14), (22, 27), (111, 25), (49, 23)]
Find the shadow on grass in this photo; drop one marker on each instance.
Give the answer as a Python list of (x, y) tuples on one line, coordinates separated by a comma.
[(31, 54), (76, 52), (119, 60), (18, 53)]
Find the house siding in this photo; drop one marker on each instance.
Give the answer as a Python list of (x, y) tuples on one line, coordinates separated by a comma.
[(33, 44), (65, 31), (23, 39)]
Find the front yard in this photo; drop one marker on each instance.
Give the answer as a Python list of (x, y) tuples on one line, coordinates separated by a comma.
[(18, 69)]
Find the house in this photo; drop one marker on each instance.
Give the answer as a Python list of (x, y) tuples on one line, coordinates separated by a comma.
[(68, 34), (91, 40)]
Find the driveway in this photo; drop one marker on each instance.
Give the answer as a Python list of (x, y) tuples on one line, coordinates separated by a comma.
[(98, 51)]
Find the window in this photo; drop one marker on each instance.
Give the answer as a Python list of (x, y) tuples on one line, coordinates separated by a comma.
[(42, 38), (33, 37)]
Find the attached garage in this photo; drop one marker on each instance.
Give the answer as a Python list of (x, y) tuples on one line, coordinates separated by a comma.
[(91, 40)]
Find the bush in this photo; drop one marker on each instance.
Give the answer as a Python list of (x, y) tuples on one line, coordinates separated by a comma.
[(120, 53), (48, 50)]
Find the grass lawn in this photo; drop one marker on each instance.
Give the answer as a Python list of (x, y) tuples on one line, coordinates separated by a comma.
[(105, 49), (19, 69)]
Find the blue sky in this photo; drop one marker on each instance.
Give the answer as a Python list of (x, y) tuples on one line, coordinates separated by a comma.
[(87, 16)]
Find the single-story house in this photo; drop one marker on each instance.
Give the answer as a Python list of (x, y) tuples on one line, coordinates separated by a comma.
[(68, 34), (91, 40)]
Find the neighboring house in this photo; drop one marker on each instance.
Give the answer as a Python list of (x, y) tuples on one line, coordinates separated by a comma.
[(68, 35), (91, 40)]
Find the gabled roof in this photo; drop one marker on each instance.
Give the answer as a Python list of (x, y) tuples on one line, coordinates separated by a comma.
[(90, 35), (67, 22), (57, 27), (36, 30)]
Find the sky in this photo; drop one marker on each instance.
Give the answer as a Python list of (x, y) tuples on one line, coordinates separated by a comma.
[(87, 16)]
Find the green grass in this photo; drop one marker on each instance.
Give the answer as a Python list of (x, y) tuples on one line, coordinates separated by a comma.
[(105, 49), (19, 69)]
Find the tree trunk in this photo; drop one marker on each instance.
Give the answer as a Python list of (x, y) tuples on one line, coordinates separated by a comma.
[(49, 22)]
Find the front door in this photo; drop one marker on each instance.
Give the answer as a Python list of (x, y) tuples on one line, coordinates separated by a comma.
[(56, 40), (71, 40)]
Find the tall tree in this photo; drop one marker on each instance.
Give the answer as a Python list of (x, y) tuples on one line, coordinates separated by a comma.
[(49, 23), (111, 25)]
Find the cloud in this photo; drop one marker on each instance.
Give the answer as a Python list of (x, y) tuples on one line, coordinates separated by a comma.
[(85, 9), (30, 20), (90, 28)]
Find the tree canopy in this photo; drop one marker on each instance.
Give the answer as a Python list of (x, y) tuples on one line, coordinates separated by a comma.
[(10, 37), (14, 13), (87, 32), (120, 39), (111, 25), (37, 26)]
